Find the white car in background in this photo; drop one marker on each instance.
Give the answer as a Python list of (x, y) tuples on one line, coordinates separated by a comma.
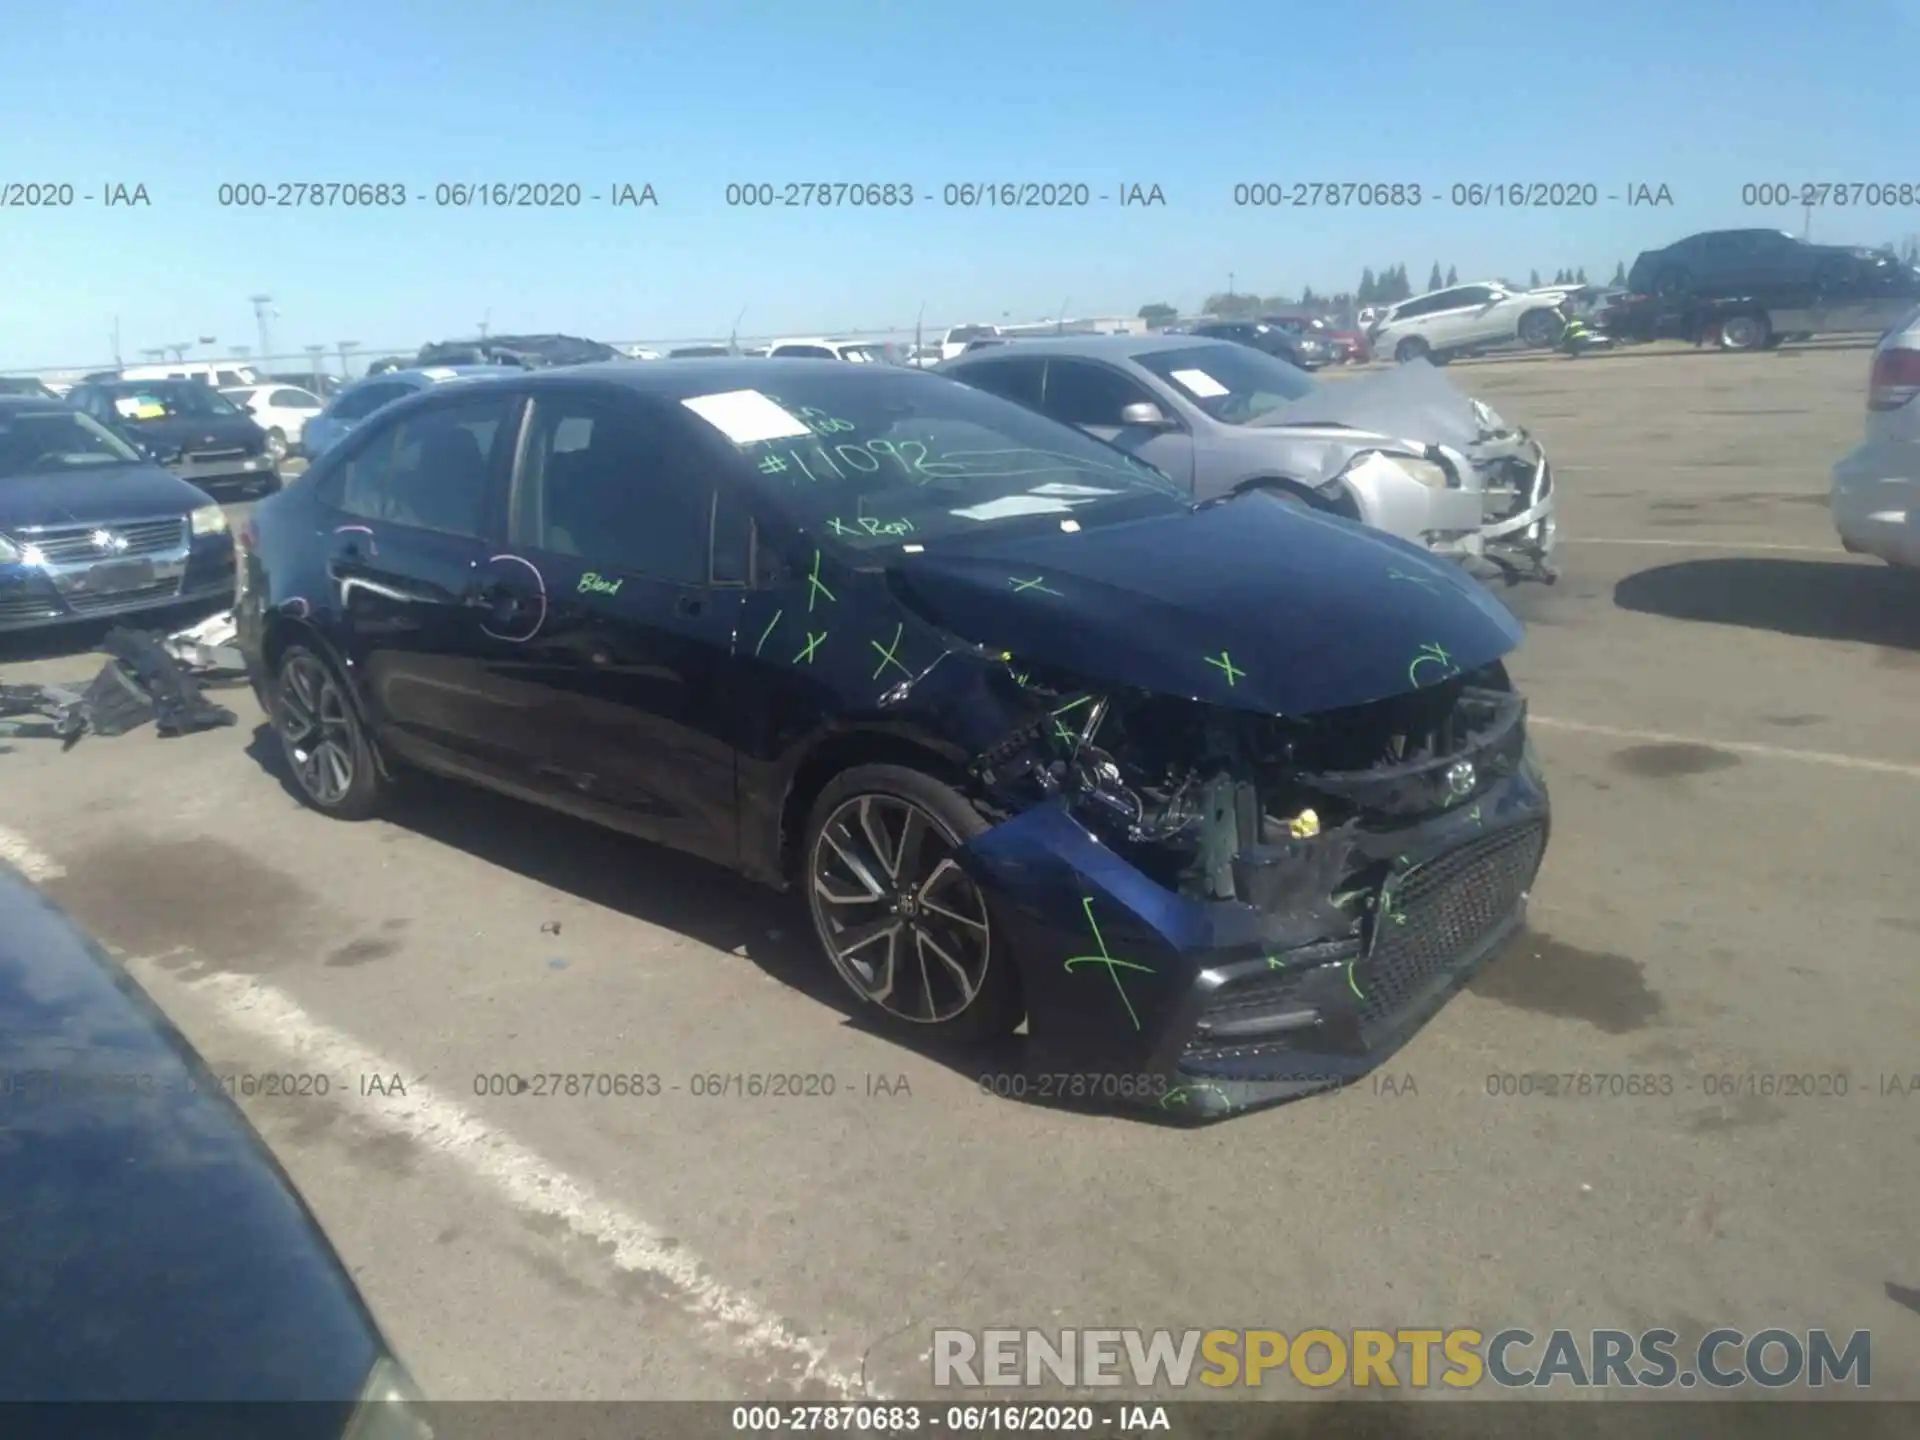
[(860, 352), (280, 410), (1444, 324), (1876, 490)]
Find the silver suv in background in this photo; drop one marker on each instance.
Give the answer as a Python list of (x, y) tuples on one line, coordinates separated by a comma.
[(1401, 450)]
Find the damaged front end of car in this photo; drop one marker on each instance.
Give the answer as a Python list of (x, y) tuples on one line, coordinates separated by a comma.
[(1218, 909)]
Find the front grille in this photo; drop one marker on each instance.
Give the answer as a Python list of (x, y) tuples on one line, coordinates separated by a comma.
[(67, 544), (16, 608), (212, 457), (119, 599), (1438, 913)]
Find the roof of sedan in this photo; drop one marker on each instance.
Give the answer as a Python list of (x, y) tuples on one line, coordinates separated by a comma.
[(703, 375), (1107, 345)]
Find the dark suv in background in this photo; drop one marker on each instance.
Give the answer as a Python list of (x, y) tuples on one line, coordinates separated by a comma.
[(1262, 335), (192, 429), (1753, 289), (530, 352)]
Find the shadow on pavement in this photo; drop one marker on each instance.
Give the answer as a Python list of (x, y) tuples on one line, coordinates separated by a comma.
[(648, 882), (1870, 604)]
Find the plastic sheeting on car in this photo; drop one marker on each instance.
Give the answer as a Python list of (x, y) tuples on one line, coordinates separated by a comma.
[(140, 682)]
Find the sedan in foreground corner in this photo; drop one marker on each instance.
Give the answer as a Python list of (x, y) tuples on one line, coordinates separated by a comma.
[(1876, 489), (1223, 800), (155, 1252), (90, 528), (1403, 450)]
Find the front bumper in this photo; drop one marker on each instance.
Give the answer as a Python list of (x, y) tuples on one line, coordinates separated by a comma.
[(1202, 1009), (225, 472), (1876, 501), (1522, 527), (196, 568)]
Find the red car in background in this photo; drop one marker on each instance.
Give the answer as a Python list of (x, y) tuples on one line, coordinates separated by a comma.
[(1348, 347)]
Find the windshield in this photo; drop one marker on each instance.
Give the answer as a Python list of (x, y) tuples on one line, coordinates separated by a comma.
[(1234, 384), (46, 442), (876, 457), (867, 354), (960, 334), (170, 400)]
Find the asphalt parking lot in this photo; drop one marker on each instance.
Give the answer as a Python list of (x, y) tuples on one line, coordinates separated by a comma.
[(1725, 704)]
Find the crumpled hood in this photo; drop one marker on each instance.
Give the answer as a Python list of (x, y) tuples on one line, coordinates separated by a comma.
[(81, 497), (1252, 604), (1413, 401)]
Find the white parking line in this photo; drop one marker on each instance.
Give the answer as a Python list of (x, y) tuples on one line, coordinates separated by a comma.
[(1701, 544), (524, 1178), (1740, 747), (28, 858)]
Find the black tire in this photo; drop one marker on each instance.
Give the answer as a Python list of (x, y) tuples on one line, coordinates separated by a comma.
[(1538, 329), (940, 998), (269, 484), (1744, 332), (316, 731), (277, 444), (1412, 348)]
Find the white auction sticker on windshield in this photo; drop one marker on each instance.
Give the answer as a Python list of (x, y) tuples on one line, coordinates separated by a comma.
[(1200, 383), (1062, 490), (1010, 505), (746, 417)]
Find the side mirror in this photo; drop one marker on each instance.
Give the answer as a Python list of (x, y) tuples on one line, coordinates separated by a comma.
[(1145, 415)]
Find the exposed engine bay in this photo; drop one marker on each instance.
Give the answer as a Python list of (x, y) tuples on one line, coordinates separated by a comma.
[(1287, 814)]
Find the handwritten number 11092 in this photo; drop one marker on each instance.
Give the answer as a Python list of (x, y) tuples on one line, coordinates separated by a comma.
[(863, 458)]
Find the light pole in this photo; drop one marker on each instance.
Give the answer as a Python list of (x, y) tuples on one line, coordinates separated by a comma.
[(180, 348), (208, 340), (316, 359), (262, 308), (347, 347)]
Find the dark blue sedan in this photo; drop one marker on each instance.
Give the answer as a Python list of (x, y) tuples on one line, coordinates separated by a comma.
[(90, 528)]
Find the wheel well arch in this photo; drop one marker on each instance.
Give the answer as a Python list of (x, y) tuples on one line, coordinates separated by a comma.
[(842, 751)]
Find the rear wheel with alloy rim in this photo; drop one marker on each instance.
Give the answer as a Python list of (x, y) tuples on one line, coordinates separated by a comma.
[(322, 738), (906, 928)]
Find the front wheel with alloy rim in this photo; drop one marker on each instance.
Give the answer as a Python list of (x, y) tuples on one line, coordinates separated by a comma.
[(1411, 348), (906, 928), (1539, 328), (277, 444), (325, 744)]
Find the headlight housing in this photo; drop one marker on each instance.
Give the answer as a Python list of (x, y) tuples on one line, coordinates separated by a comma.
[(209, 520), (386, 1409), (1430, 473)]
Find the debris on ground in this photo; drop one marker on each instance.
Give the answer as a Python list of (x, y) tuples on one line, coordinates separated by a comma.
[(146, 677)]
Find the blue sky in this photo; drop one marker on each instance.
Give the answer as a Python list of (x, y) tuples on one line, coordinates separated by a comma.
[(1700, 96)]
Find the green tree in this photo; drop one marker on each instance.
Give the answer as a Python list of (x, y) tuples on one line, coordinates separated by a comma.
[(1158, 314), (1619, 272), (1580, 276), (1435, 280), (1307, 298), (1402, 287), (1369, 291), (1453, 277), (1533, 279)]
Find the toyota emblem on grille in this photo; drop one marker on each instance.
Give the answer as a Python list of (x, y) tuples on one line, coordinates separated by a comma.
[(107, 540), (1460, 779)]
